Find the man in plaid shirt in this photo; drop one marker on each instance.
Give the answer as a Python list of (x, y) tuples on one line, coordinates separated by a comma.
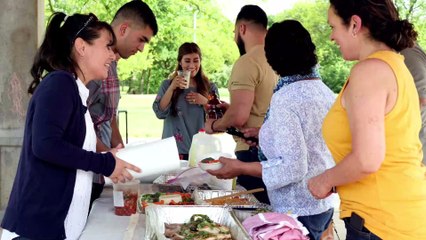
[(134, 25), (103, 102)]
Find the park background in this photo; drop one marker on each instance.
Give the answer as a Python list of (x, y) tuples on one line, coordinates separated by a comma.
[(210, 23)]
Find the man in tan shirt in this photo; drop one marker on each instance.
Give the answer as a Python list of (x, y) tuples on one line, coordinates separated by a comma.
[(251, 86)]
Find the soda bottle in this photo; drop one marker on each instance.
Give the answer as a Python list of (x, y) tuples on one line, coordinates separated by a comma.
[(214, 112)]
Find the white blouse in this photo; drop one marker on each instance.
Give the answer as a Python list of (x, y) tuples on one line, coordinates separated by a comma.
[(79, 207)]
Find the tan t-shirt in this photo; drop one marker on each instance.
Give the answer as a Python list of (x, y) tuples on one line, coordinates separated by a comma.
[(252, 72)]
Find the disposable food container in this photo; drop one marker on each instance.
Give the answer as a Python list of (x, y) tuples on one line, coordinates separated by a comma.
[(125, 196), (210, 166), (243, 201), (157, 215)]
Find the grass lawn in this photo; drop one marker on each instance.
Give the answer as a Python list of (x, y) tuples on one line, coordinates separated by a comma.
[(142, 122)]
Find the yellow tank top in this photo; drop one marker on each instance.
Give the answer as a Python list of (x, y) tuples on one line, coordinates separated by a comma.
[(392, 201)]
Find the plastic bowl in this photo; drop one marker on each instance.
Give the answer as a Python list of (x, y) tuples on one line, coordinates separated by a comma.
[(210, 166), (215, 165), (215, 155)]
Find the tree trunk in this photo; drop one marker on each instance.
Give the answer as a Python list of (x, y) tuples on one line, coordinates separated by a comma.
[(148, 81)]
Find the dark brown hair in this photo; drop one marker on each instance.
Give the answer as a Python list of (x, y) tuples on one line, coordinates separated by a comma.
[(139, 12), (381, 18), (289, 48), (55, 51), (203, 84)]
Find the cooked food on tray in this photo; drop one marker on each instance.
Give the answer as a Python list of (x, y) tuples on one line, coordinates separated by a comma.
[(237, 200), (168, 187), (176, 198), (233, 198), (199, 227)]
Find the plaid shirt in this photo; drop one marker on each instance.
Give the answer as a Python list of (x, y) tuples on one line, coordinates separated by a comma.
[(103, 103), (103, 98)]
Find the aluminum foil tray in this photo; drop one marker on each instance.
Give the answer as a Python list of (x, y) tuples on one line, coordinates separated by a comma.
[(200, 196), (162, 179), (157, 215)]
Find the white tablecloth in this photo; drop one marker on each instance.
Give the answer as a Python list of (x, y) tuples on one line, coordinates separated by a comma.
[(104, 224)]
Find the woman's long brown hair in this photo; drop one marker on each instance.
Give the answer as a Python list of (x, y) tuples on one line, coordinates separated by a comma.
[(203, 83)]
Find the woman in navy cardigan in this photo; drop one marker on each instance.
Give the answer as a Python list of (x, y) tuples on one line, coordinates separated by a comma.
[(51, 191)]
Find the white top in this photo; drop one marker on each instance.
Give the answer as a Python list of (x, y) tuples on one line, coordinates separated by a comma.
[(79, 207)]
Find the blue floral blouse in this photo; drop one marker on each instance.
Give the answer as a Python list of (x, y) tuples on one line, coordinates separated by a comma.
[(292, 144)]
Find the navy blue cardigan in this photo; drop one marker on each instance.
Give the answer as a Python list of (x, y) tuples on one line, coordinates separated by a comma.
[(51, 152)]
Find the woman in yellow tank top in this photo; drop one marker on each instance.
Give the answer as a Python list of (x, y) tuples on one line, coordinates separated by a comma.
[(372, 129)]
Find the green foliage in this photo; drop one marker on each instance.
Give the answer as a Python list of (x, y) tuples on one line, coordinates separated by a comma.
[(313, 16), (414, 11), (213, 32), (176, 23), (145, 71)]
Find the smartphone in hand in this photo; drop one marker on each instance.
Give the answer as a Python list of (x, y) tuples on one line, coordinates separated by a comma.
[(235, 132)]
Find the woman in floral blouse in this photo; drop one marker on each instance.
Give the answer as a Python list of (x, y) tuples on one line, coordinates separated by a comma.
[(291, 145)]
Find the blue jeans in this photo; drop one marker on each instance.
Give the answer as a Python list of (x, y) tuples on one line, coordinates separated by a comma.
[(250, 182), (354, 234), (316, 224)]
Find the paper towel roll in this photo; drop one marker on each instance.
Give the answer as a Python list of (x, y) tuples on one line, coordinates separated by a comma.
[(154, 158)]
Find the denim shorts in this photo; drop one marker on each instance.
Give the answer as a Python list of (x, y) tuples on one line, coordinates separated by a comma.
[(317, 224)]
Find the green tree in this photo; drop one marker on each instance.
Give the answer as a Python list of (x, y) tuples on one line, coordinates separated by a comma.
[(313, 16), (414, 11), (145, 71)]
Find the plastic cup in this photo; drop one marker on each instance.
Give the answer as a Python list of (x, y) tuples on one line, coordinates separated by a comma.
[(125, 197), (186, 75)]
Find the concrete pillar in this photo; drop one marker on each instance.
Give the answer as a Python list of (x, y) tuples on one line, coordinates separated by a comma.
[(20, 21)]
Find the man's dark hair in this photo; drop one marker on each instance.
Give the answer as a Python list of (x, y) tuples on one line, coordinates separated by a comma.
[(139, 12), (253, 14)]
